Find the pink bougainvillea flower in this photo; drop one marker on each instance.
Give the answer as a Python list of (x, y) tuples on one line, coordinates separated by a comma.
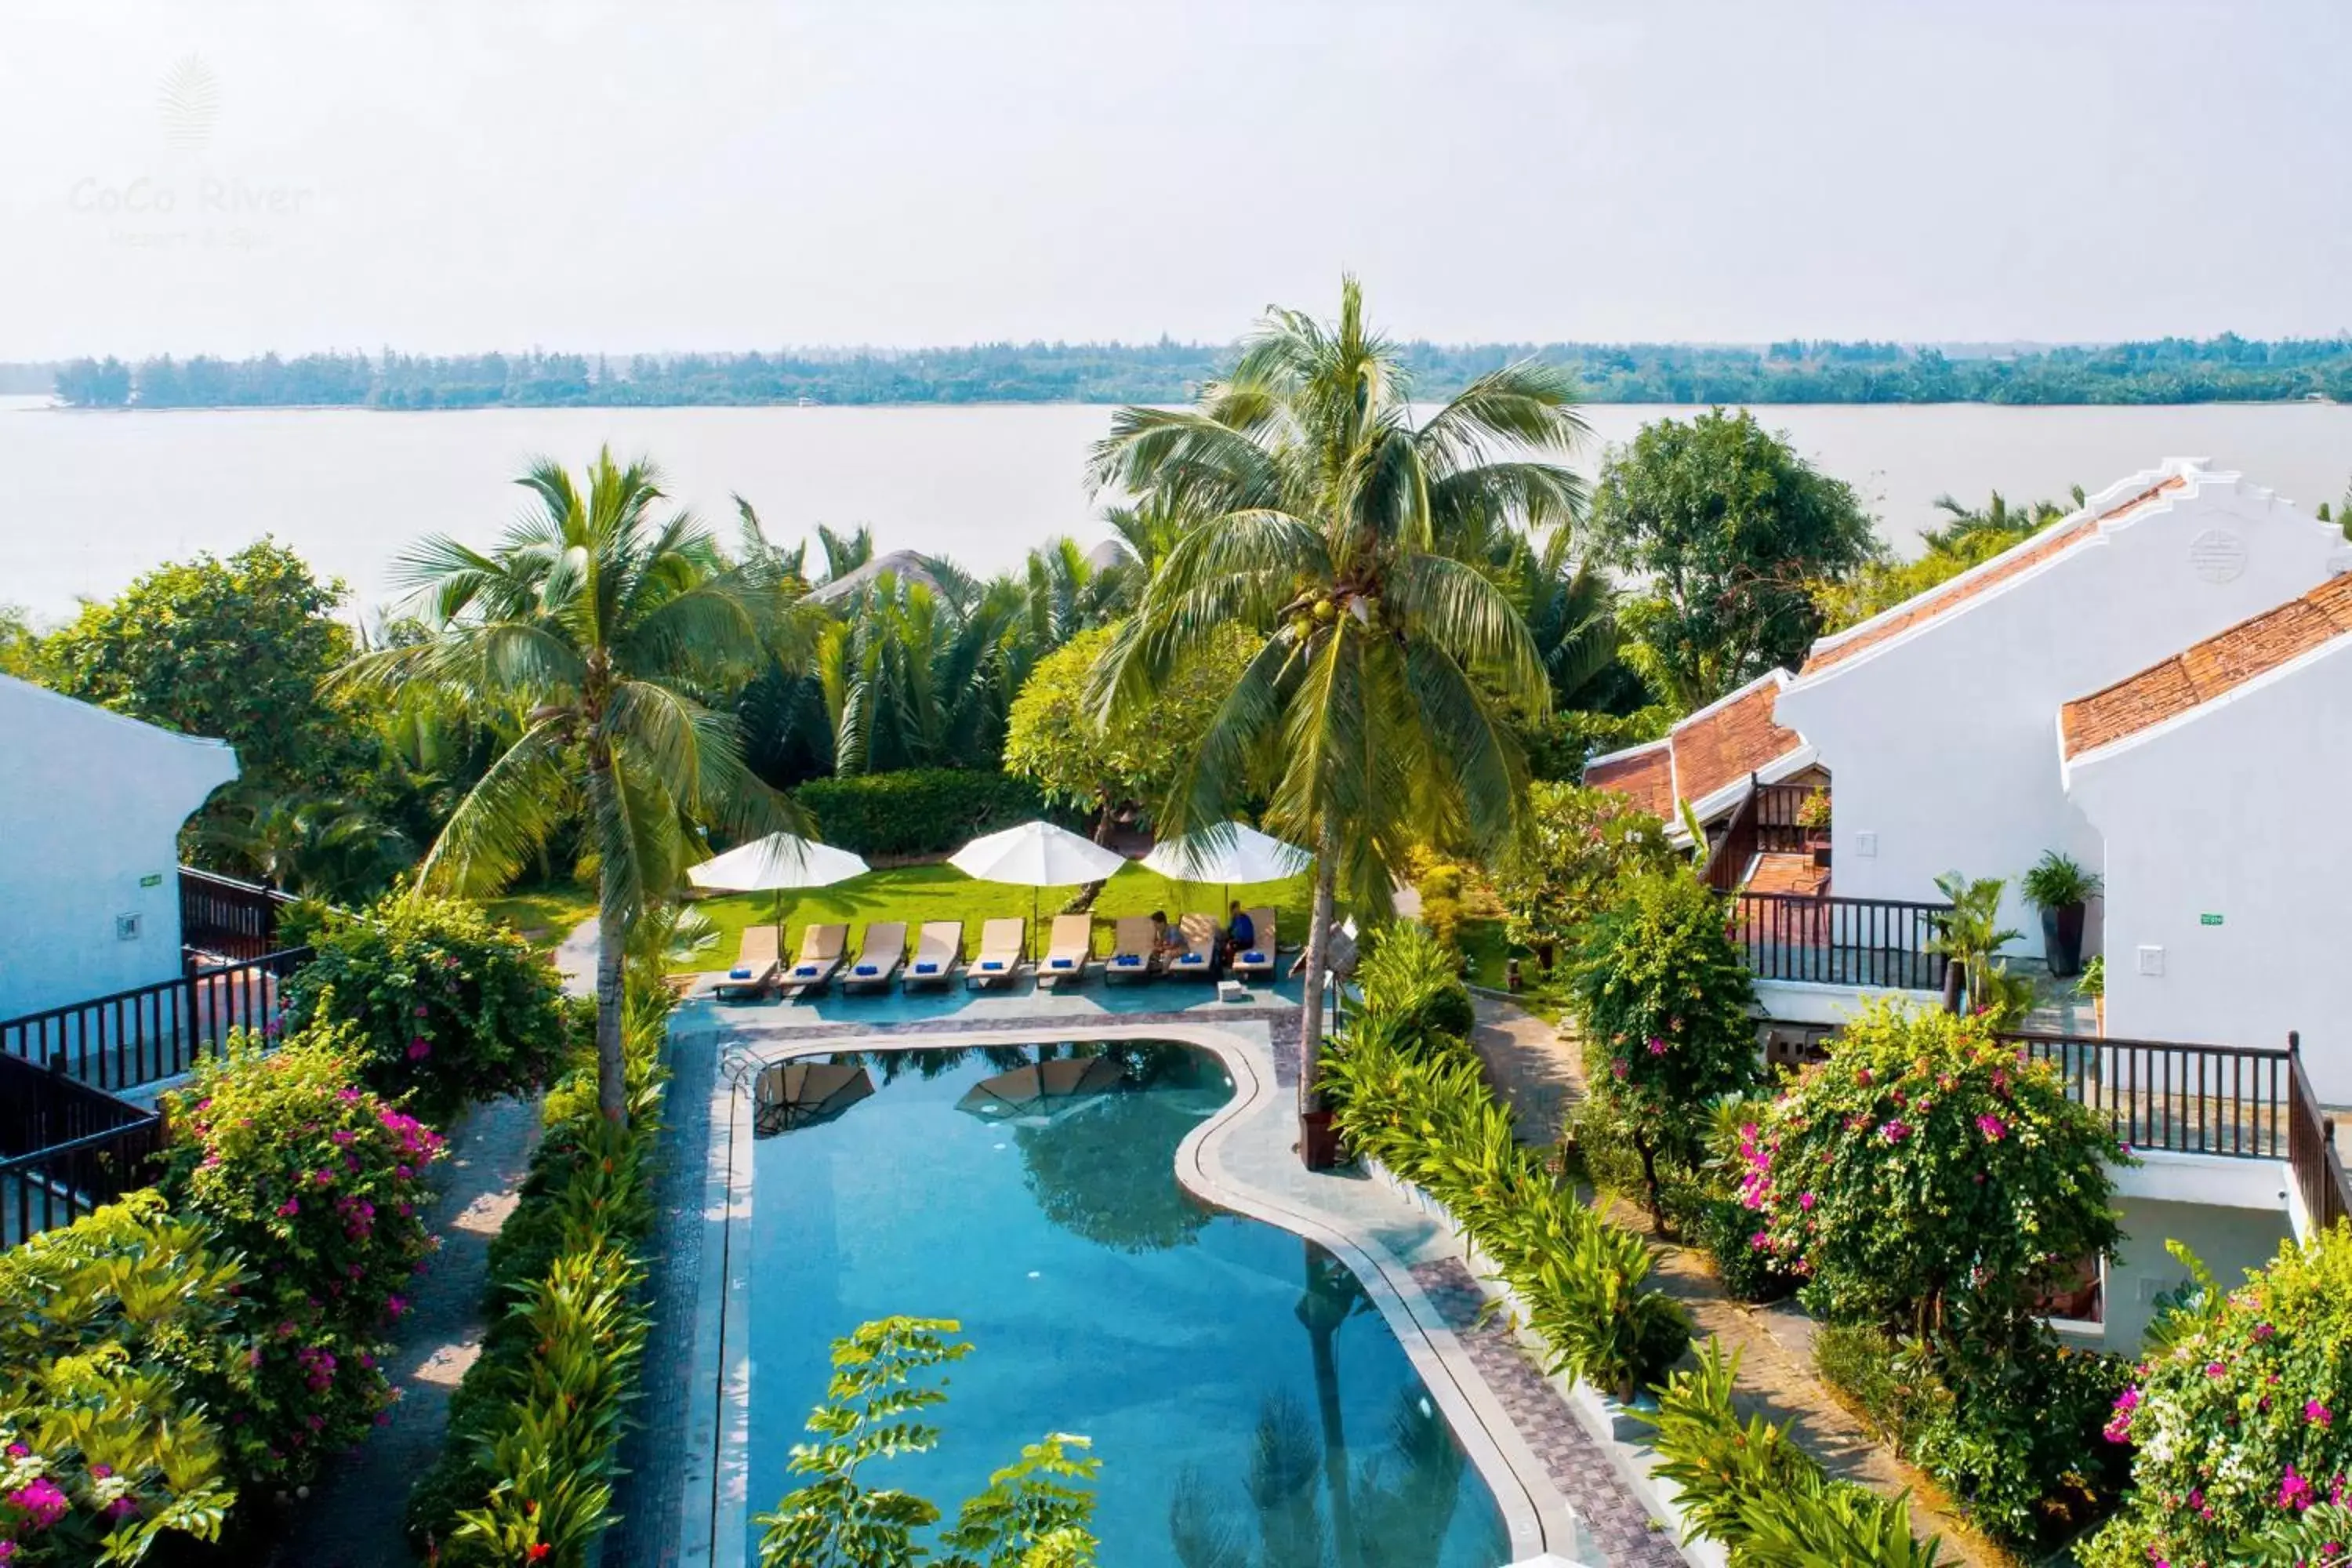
[(419, 1048), (43, 1503), (1657, 1047), (1993, 1127), (1894, 1132), (1806, 1200), (2294, 1492), (2316, 1414), (289, 1208)]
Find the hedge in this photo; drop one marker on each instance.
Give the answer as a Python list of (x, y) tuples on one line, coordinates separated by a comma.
[(916, 811), (526, 1474)]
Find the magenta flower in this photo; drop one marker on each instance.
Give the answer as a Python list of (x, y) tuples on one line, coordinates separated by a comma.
[(18, 1451), (123, 1508), (1993, 1127), (1806, 1201), (2294, 1492), (2316, 1414), (99, 1472), (1894, 1132), (289, 1208), (1761, 1241), (43, 1503), (1657, 1045), (419, 1048)]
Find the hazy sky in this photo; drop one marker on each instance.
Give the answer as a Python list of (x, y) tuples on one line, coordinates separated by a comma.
[(441, 175)]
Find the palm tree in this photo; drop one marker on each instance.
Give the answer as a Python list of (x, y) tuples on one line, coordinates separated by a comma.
[(1319, 517), (607, 628)]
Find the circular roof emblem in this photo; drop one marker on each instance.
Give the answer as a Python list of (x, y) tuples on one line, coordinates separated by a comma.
[(2218, 555)]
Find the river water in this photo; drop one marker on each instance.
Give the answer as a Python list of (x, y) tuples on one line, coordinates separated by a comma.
[(92, 499)]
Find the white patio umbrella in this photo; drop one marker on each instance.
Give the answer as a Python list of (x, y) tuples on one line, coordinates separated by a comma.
[(773, 864), (1229, 853), (1036, 854)]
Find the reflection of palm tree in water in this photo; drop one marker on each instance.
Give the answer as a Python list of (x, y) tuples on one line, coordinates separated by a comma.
[(1104, 1170), (1393, 1512)]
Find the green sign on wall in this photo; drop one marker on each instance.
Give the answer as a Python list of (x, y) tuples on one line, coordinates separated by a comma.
[(151, 879), (2209, 920)]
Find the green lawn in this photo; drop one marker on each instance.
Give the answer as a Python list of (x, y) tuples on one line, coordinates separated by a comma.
[(545, 915), (916, 894)]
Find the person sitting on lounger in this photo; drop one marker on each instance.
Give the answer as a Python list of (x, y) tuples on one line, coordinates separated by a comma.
[(1240, 933), (1166, 944)]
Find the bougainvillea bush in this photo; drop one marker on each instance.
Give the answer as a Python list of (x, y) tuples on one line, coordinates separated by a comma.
[(320, 1182), (2243, 1420), (1926, 1158), (1663, 1000), (108, 1327), (450, 1005)]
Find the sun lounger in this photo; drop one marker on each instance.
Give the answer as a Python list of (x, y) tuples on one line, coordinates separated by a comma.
[(756, 967), (1131, 955), (939, 954), (1256, 962), (1000, 959), (821, 950), (878, 961), (1198, 959), (1067, 948)]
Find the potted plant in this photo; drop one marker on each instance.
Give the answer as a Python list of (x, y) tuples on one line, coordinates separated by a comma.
[(1813, 813), (2059, 887)]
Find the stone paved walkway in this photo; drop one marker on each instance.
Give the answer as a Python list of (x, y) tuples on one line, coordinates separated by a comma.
[(1577, 1466), (1533, 1065), (353, 1516)]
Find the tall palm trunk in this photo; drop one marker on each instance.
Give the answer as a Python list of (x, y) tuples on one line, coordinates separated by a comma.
[(1318, 954), (612, 1070)]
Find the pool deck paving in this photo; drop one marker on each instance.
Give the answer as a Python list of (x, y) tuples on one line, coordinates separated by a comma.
[(683, 1502)]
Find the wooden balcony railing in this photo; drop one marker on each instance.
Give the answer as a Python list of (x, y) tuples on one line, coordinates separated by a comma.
[(228, 919), (1780, 812), (65, 1150), (1880, 944), (2182, 1098), (152, 1031), (2318, 1169)]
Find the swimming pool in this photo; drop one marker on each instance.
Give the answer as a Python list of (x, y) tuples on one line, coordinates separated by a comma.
[(1251, 1407)]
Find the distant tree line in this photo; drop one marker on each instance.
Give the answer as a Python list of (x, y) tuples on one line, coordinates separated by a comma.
[(2170, 370)]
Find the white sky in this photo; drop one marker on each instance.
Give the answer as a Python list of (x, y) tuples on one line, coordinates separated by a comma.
[(464, 175)]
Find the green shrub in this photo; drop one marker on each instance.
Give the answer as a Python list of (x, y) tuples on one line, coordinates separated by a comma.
[(528, 1462), (1662, 999), (112, 1331), (1727, 1232), (449, 1006), (1858, 1361), (1925, 1159), (1412, 976), (1749, 1487), (317, 1182), (2244, 1417), (1577, 845), (916, 811), (1431, 1122), (2010, 1426)]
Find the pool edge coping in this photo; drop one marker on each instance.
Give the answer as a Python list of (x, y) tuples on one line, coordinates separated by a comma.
[(714, 1510)]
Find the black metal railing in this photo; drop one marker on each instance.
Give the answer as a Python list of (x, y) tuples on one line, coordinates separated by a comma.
[(1830, 941), (65, 1148), (2176, 1096), (226, 918), (156, 1031), (2318, 1169)]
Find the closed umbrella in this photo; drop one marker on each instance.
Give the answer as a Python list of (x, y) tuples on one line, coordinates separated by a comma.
[(1036, 854), (773, 864), (1228, 853)]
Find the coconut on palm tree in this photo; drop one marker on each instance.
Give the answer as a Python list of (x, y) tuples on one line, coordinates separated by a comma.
[(1349, 540), (607, 627)]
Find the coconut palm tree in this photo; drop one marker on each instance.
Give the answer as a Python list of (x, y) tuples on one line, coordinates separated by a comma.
[(608, 629), (1349, 540)]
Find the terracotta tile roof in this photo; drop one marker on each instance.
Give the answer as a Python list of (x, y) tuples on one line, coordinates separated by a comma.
[(2201, 673), (1729, 741), (1720, 745), (1943, 596), (1645, 777)]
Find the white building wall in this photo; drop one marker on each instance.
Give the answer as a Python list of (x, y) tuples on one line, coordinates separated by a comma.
[(91, 805), (2231, 811), (1940, 742)]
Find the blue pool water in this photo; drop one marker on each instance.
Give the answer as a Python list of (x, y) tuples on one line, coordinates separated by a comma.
[(1235, 1380)]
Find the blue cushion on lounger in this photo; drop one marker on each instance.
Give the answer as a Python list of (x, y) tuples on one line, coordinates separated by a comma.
[(991, 963), (740, 972), (927, 967), (806, 969), (1253, 956), (1061, 964), (869, 969), (1128, 960), (1191, 958)]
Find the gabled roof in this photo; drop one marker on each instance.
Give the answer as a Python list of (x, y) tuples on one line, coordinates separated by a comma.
[(2111, 506), (2206, 670), (1715, 747)]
